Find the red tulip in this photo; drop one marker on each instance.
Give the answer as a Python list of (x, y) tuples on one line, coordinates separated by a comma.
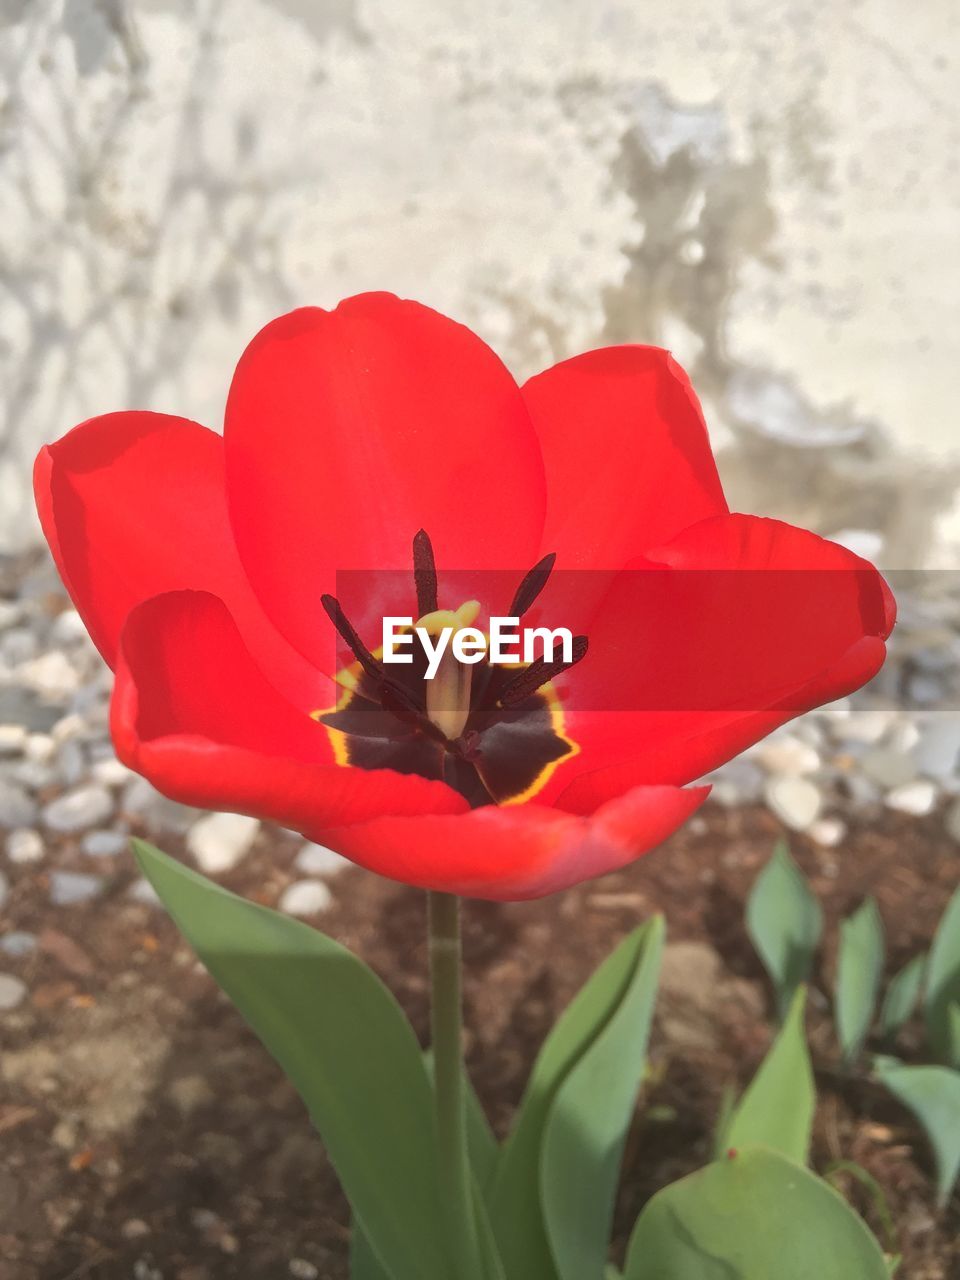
[(206, 570)]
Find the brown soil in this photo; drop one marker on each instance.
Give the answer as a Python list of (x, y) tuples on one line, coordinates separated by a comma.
[(146, 1133)]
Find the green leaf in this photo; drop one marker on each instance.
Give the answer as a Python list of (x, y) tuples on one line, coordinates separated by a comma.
[(902, 995), (343, 1041), (785, 922), (859, 970), (364, 1264), (953, 1032), (755, 1216), (490, 1262), (728, 1104), (587, 1125), (514, 1200), (933, 1095), (943, 985), (776, 1111)]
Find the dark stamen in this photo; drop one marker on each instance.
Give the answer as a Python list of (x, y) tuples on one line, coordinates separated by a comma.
[(391, 692), (538, 673), (356, 646), (424, 573), (532, 584)]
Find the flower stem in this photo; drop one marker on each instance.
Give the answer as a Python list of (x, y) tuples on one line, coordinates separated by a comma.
[(445, 1020)]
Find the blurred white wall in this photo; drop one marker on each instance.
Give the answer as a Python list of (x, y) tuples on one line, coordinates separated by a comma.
[(769, 187)]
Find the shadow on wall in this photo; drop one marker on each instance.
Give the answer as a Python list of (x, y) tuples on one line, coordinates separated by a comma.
[(87, 290), (120, 279)]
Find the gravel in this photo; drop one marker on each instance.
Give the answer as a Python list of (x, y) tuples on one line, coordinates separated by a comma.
[(59, 773)]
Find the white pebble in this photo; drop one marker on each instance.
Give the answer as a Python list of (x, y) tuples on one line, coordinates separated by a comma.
[(788, 755), (888, 768), (68, 628), (795, 801), (916, 798), (12, 991), (220, 840), (318, 860), (10, 614), (143, 891), (78, 809), (104, 844), (17, 809), (68, 727), (305, 898), (18, 943), (70, 887), (827, 832), (904, 736), (24, 845), (938, 752), (13, 739), (867, 727), (52, 675), (39, 748), (301, 1269), (111, 772)]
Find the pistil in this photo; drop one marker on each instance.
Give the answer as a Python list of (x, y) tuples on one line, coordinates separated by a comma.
[(448, 693)]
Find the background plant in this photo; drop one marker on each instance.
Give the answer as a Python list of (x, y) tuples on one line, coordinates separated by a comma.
[(785, 923)]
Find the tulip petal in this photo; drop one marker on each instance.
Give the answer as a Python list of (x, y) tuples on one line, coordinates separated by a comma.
[(193, 714), (134, 504), (735, 627), (626, 454), (349, 430), (518, 851)]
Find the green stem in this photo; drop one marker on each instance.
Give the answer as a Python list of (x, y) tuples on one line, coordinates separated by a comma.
[(445, 1019)]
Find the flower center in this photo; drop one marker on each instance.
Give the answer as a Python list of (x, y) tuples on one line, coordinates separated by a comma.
[(494, 732)]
